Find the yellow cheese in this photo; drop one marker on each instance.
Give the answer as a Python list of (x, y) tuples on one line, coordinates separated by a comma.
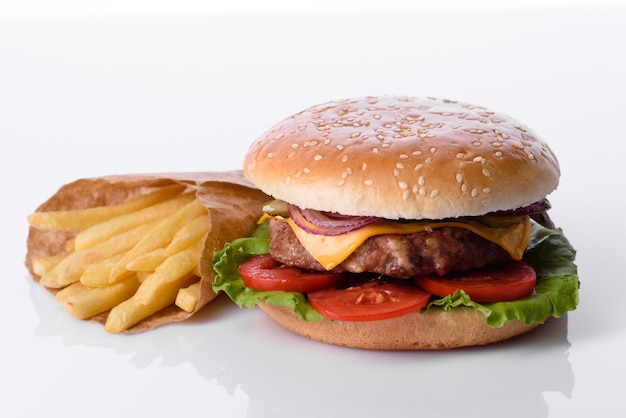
[(330, 251)]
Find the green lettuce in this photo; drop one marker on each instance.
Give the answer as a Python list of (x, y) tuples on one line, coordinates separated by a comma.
[(549, 252)]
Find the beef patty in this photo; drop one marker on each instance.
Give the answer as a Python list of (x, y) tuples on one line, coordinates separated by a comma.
[(438, 251)]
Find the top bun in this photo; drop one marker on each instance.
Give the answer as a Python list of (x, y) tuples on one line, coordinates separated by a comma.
[(402, 158)]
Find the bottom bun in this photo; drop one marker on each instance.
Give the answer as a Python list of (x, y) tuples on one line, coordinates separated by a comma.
[(433, 330)]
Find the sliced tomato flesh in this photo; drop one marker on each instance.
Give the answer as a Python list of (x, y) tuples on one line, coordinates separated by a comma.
[(373, 300), (264, 273), (499, 283)]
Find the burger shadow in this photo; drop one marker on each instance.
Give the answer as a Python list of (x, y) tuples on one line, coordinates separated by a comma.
[(244, 352)]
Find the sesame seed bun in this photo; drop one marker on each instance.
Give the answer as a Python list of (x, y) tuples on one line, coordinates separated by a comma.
[(402, 157), (433, 330)]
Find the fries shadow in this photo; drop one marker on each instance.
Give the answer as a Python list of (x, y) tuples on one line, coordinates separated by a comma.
[(243, 351)]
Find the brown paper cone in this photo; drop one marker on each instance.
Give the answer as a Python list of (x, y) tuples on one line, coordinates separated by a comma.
[(234, 207)]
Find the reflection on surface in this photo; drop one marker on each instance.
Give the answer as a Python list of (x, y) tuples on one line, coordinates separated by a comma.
[(287, 375)]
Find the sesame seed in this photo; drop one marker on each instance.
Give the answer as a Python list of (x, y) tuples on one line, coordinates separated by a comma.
[(279, 136), (396, 173), (486, 172), (434, 193), (405, 195), (294, 145), (368, 182), (420, 180), (403, 185), (355, 134), (418, 167), (463, 187), (460, 155), (400, 166), (363, 166), (486, 190), (318, 157), (474, 192), (433, 150), (403, 156), (307, 170), (459, 177), (270, 155), (498, 154), (377, 116), (417, 153), (375, 150), (341, 183), (291, 154), (344, 158)]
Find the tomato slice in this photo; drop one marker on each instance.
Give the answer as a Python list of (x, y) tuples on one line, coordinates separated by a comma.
[(511, 281), (264, 273), (370, 301)]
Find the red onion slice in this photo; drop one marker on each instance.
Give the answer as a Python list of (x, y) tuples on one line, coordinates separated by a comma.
[(537, 207), (327, 223)]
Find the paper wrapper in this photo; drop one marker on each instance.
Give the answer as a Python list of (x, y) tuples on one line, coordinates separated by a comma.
[(233, 203)]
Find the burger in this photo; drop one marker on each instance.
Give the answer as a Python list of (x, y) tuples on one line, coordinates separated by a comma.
[(402, 223)]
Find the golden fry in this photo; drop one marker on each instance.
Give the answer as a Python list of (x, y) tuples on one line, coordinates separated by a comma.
[(72, 267), (172, 269), (131, 311), (83, 301), (187, 297), (189, 234), (160, 236), (115, 226), (79, 219), (148, 262), (97, 274), (42, 265)]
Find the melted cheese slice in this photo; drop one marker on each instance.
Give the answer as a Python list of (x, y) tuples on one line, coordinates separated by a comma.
[(330, 251)]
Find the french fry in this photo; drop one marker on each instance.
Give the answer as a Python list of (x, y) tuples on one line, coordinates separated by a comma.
[(42, 265), (83, 301), (187, 297), (189, 234), (148, 262), (72, 267), (131, 311), (97, 274), (160, 236), (115, 226), (171, 270), (79, 219)]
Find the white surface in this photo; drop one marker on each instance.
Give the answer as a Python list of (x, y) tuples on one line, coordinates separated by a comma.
[(84, 96)]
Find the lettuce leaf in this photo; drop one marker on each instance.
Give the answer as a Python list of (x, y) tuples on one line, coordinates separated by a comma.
[(549, 252)]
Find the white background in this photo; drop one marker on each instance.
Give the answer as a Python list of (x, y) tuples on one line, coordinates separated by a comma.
[(89, 89)]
